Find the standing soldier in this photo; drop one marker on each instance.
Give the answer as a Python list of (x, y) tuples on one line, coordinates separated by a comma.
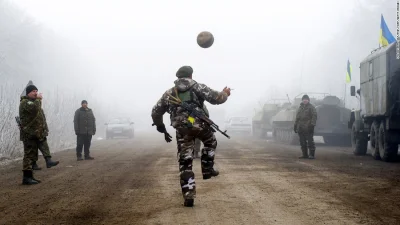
[(34, 132), (188, 128), (306, 119), (85, 128)]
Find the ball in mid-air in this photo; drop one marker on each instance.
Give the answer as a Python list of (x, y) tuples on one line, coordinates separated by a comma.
[(205, 39)]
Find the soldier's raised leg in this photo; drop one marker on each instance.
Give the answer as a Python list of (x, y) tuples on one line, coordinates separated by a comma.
[(303, 143), (208, 153), (44, 148), (187, 178), (30, 153)]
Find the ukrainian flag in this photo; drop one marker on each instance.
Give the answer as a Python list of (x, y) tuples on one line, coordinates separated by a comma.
[(386, 37), (348, 73)]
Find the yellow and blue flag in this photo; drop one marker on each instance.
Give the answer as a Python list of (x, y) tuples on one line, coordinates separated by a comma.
[(386, 37), (348, 72)]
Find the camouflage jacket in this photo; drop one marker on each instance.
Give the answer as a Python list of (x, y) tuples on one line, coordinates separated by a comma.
[(33, 120), (306, 115), (179, 116)]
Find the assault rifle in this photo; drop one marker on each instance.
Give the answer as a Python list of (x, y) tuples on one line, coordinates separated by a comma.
[(18, 122), (193, 112)]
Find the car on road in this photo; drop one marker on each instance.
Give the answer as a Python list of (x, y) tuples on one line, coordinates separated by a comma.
[(242, 125), (119, 127)]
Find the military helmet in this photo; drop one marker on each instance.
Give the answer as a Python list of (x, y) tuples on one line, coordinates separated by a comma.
[(184, 71)]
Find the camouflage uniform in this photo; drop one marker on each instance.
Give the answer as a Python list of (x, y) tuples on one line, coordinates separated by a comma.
[(33, 134), (197, 145), (194, 93), (197, 142), (306, 119)]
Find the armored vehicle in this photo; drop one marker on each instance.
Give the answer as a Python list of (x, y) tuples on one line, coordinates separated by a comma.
[(331, 121), (378, 119), (261, 121)]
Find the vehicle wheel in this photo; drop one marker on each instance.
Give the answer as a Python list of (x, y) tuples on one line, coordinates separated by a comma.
[(374, 140), (359, 144), (387, 149)]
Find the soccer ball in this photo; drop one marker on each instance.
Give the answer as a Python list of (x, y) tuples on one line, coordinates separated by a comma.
[(205, 39)]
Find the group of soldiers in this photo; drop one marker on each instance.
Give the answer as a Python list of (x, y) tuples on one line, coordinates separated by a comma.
[(34, 132), (190, 132)]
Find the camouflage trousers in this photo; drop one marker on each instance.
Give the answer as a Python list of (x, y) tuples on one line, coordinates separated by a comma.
[(186, 145), (306, 141), (31, 147)]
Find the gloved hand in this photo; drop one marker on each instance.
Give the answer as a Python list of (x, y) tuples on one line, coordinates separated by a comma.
[(311, 129), (295, 129), (167, 137)]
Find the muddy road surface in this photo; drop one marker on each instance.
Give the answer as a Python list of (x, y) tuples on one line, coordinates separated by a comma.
[(260, 182)]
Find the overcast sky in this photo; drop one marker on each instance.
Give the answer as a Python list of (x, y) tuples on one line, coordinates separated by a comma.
[(139, 45)]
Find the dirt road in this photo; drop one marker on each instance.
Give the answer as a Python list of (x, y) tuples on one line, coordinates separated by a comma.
[(137, 182)]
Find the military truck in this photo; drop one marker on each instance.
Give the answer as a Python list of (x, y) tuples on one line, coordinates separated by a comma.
[(331, 121), (378, 118), (262, 118)]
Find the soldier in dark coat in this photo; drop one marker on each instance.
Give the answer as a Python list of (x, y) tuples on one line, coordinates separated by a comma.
[(85, 128), (34, 132), (188, 128), (306, 119)]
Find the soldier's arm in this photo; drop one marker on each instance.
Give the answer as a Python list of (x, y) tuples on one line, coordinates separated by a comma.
[(313, 116), (212, 96), (159, 110)]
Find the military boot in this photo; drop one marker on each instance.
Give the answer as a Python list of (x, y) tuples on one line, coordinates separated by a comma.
[(28, 178), (50, 163), (305, 154), (35, 166), (37, 180), (189, 198), (88, 158), (213, 173), (312, 154)]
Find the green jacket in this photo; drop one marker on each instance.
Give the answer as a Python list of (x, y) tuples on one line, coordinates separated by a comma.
[(306, 115), (33, 120)]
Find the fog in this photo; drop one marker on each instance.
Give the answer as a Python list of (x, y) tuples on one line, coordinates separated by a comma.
[(122, 55)]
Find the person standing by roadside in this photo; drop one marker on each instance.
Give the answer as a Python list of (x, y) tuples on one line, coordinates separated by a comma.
[(85, 128), (34, 132)]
